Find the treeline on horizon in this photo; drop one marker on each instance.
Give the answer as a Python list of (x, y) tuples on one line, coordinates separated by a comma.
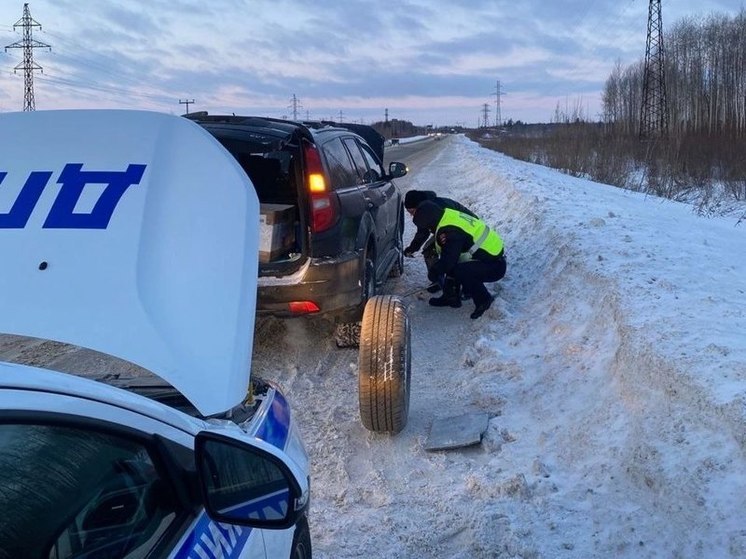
[(701, 159)]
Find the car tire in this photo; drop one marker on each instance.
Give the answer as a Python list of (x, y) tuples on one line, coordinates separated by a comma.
[(384, 365), (301, 542), (398, 269)]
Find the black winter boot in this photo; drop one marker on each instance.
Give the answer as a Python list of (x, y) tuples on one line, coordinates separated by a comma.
[(451, 295), (481, 308)]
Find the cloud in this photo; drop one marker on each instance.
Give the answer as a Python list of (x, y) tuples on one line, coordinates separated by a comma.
[(423, 53)]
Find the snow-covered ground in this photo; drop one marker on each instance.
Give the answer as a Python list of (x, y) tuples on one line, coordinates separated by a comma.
[(612, 366)]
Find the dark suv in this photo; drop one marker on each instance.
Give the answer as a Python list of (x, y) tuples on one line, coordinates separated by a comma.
[(334, 215)]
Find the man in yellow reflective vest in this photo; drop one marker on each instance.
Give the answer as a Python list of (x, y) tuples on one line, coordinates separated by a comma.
[(423, 239), (470, 254)]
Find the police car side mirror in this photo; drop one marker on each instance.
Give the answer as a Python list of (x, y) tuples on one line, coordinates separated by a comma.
[(246, 485), (397, 170)]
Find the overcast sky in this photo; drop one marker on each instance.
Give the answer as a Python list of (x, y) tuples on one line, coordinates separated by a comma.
[(427, 61)]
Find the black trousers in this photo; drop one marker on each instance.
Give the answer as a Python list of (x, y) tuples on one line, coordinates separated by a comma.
[(473, 274), (429, 253)]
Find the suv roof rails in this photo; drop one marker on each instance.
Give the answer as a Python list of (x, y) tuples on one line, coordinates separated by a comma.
[(283, 126), (374, 139), (233, 117), (197, 114), (319, 124)]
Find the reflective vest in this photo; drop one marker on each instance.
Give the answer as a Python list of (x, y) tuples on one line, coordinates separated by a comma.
[(482, 236)]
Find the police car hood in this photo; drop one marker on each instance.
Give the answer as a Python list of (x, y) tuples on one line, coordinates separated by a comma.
[(134, 234)]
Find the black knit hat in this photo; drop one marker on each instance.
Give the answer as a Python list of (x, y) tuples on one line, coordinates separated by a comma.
[(428, 215), (413, 198)]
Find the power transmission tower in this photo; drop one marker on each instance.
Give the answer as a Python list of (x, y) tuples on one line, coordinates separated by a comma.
[(654, 108), (486, 114), (28, 44), (295, 105), (341, 116), (498, 111), (186, 102)]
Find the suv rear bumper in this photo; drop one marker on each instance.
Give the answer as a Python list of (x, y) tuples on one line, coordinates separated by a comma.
[(333, 284)]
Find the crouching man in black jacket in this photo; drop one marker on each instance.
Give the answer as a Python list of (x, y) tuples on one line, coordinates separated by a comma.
[(423, 237), (468, 251)]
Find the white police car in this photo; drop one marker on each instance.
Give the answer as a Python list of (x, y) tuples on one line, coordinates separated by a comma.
[(135, 234)]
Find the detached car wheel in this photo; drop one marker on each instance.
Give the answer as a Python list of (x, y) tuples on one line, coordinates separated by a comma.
[(384, 365)]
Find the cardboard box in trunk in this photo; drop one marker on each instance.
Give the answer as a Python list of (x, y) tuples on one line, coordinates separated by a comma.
[(276, 230)]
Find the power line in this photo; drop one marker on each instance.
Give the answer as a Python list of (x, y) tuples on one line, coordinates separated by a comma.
[(127, 86), (102, 63), (87, 87), (28, 44)]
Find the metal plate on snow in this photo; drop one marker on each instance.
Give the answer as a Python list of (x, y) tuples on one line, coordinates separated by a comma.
[(458, 431)]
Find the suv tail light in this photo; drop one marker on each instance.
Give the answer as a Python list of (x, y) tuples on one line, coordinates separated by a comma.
[(323, 209), (303, 307)]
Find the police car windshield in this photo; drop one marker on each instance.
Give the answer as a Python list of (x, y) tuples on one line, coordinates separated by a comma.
[(74, 492)]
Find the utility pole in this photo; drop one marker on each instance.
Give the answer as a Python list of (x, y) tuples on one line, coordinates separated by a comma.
[(186, 102), (28, 44), (498, 112), (654, 108), (295, 105)]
